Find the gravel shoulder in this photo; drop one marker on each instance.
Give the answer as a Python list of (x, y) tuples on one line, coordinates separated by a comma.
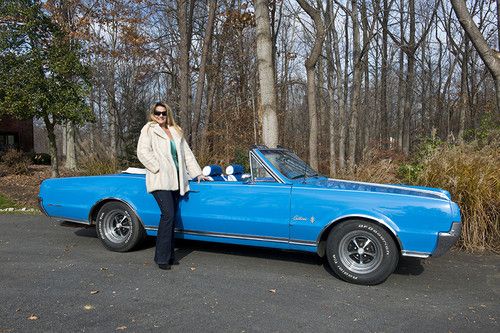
[(60, 276)]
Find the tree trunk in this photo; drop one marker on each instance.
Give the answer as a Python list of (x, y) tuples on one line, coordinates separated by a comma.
[(343, 116), (490, 57), (331, 90), (70, 146), (52, 147), (311, 86), (464, 94), (270, 133), (410, 80), (184, 73), (207, 40), (367, 118), (356, 86), (383, 80)]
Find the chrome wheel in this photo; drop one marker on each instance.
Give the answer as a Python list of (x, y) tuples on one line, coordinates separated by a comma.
[(117, 226), (360, 252)]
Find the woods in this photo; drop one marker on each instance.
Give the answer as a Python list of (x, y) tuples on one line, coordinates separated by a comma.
[(330, 79)]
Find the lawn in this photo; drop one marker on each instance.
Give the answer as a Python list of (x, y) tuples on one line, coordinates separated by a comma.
[(5, 202)]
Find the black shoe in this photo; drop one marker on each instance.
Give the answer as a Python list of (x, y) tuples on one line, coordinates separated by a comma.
[(165, 266), (173, 262)]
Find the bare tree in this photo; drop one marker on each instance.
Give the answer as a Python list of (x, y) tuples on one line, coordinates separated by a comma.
[(207, 41), (266, 70), (310, 64), (490, 57)]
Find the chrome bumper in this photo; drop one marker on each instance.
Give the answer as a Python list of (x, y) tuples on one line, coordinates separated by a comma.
[(40, 206), (447, 239)]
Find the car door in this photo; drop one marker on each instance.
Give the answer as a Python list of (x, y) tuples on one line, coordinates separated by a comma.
[(257, 209)]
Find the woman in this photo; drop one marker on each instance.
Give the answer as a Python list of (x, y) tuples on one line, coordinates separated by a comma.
[(168, 160)]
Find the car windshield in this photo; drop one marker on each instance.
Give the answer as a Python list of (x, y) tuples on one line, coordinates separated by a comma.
[(289, 164)]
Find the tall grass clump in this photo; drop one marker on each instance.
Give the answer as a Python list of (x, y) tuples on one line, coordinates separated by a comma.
[(472, 175)]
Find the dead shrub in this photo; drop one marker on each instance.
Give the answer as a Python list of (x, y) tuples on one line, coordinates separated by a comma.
[(95, 165), (378, 166), (15, 162), (472, 175)]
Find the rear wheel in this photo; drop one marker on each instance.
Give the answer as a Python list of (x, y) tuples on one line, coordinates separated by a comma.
[(118, 227), (361, 252)]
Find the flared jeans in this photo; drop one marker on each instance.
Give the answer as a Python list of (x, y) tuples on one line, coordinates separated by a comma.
[(165, 240)]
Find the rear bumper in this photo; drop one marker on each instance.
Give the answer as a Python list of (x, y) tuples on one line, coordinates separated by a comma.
[(447, 239), (40, 206)]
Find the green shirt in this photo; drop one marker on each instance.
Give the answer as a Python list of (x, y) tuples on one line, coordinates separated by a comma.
[(173, 150)]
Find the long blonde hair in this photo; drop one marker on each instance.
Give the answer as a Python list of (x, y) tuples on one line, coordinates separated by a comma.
[(170, 115)]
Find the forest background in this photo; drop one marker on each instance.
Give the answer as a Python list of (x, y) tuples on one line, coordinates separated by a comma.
[(392, 91)]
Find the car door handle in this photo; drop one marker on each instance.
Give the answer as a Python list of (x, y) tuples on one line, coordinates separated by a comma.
[(194, 191)]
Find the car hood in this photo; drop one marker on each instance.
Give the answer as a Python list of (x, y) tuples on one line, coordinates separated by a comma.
[(349, 185)]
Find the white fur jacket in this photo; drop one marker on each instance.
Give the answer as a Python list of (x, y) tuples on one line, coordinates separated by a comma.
[(153, 150)]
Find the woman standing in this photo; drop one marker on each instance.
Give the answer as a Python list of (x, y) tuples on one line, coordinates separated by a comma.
[(168, 159)]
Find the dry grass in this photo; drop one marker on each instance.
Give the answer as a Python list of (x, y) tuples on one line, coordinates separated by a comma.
[(472, 175), (94, 165), (378, 166)]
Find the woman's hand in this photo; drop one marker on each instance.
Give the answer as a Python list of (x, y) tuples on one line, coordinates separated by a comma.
[(201, 177)]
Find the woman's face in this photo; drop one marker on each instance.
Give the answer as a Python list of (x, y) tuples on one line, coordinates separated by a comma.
[(160, 115)]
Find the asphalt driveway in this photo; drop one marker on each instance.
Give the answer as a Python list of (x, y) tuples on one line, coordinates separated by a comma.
[(58, 277)]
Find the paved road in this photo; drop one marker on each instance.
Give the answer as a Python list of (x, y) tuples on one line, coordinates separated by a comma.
[(52, 270)]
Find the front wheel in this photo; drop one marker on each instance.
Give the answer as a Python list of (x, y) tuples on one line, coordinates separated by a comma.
[(361, 252), (118, 228)]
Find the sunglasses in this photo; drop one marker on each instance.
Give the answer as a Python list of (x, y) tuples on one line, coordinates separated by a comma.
[(158, 113)]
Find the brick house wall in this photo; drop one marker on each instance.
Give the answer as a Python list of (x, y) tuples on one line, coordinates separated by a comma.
[(16, 133)]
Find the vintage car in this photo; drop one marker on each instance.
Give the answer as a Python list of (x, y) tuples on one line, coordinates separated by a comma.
[(361, 228)]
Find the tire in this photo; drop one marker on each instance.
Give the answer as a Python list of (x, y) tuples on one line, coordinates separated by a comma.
[(118, 227), (361, 252)]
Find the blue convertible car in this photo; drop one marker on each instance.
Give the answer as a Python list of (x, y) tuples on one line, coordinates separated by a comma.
[(362, 228)]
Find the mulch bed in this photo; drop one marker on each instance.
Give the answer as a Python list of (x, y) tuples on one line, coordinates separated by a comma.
[(23, 189)]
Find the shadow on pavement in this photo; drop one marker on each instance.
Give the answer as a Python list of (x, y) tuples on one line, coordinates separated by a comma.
[(249, 251), (409, 266), (406, 265)]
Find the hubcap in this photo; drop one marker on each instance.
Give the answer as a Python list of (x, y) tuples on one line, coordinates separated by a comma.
[(117, 226), (360, 252)]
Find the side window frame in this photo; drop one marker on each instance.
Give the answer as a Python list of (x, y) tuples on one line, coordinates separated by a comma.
[(253, 159)]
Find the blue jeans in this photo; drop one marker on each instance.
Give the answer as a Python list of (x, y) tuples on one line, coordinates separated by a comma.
[(165, 244)]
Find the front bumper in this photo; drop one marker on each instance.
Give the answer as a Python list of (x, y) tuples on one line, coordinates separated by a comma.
[(447, 239)]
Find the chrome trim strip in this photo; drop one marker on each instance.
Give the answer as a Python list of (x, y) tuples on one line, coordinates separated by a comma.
[(302, 242), (234, 236), (115, 199), (239, 236), (439, 194), (415, 254), (65, 219)]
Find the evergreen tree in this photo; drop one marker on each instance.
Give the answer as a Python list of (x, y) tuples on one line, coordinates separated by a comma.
[(41, 74)]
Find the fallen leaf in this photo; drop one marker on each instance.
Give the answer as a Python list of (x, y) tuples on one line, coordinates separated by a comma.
[(121, 328), (193, 268), (93, 292), (33, 317), (88, 307), (272, 291)]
